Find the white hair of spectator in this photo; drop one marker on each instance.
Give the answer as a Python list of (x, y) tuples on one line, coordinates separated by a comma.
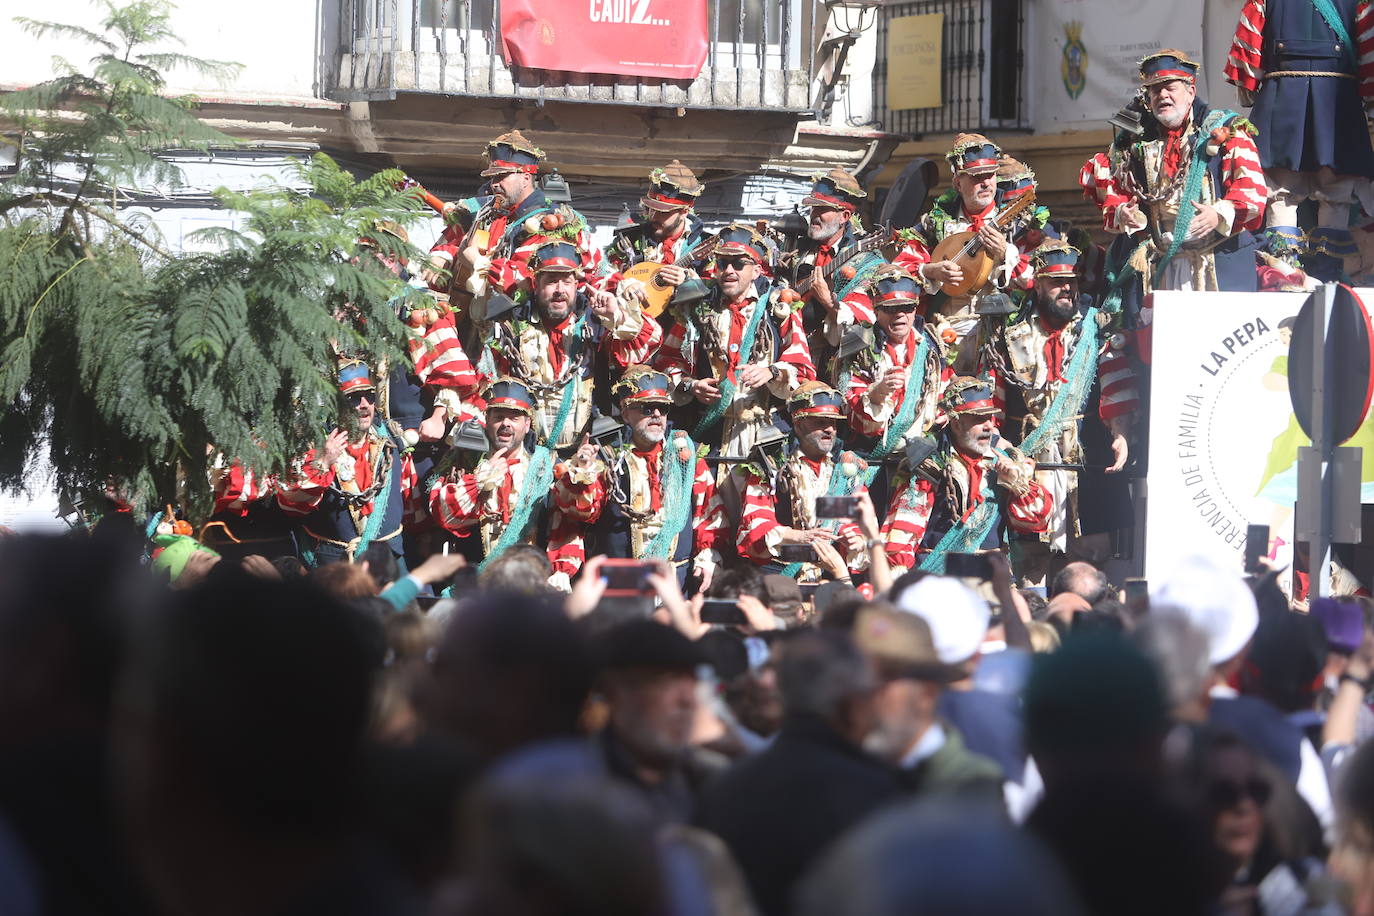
[(1180, 652), (1213, 599), (957, 616)]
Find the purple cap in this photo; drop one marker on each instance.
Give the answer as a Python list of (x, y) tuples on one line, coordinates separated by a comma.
[(1343, 622)]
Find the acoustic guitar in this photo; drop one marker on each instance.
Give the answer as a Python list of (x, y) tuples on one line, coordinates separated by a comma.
[(966, 250), (871, 241), (657, 292)]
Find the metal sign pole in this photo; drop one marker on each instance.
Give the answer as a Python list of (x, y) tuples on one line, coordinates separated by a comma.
[(1319, 556)]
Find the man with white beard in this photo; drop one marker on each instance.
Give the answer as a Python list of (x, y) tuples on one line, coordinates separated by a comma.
[(1184, 194), (625, 496)]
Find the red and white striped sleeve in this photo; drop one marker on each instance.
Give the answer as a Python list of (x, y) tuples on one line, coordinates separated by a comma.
[(708, 518), (301, 493), (908, 514), (579, 490), (915, 254), (1364, 49), (1029, 512), (670, 358), (1244, 66), (567, 548), (450, 242), (1242, 204), (1117, 381), (455, 504), (794, 356), (239, 487), (1119, 214), (414, 503), (625, 351), (439, 358), (758, 530), (864, 418), (1022, 274), (856, 308)]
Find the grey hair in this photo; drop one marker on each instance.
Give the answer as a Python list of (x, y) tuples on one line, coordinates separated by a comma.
[(1179, 651), (819, 670)]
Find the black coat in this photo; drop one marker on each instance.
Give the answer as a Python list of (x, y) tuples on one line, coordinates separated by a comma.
[(780, 808)]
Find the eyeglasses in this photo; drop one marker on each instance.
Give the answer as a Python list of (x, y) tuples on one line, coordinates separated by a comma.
[(358, 397), (734, 263), (1225, 795), (905, 307), (650, 409)]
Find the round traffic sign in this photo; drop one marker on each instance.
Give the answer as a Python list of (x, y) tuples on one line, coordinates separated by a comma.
[(1348, 359)]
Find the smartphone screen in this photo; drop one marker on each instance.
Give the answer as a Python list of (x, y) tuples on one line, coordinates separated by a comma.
[(1256, 547), (723, 611), (968, 566)]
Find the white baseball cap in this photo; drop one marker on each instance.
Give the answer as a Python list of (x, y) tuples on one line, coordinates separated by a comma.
[(957, 616), (1214, 600)]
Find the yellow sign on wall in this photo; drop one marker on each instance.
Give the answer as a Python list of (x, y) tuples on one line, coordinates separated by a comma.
[(913, 61)]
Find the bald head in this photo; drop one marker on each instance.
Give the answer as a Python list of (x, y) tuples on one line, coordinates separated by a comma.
[(1084, 580)]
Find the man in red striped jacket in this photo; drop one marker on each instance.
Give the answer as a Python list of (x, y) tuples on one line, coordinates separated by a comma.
[(1142, 183), (1039, 355)]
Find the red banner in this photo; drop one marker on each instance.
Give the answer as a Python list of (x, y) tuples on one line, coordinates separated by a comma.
[(660, 38)]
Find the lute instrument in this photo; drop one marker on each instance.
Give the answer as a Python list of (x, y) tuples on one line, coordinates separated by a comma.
[(966, 250), (657, 293)]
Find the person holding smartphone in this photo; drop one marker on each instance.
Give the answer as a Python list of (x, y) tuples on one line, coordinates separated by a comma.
[(784, 509)]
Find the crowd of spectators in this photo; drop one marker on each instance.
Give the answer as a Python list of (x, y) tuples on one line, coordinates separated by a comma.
[(256, 738)]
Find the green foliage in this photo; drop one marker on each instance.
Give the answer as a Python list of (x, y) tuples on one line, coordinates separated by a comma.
[(129, 366)]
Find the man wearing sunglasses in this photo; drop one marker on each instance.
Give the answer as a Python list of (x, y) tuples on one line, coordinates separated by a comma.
[(353, 490), (624, 495), (1039, 351), (729, 355)]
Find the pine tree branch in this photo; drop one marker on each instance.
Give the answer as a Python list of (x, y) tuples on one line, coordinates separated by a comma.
[(133, 233)]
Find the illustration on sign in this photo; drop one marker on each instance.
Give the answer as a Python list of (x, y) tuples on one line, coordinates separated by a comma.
[(1074, 66), (1223, 436)]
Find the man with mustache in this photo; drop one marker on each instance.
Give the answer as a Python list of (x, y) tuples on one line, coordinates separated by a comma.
[(352, 490), (519, 220), (667, 234), (781, 509), (832, 227), (1039, 359), (949, 489), (624, 496), (563, 337), (487, 497), (730, 354), (1145, 183), (969, 206)]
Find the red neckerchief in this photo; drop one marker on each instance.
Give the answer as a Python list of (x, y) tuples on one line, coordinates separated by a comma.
[(902, 359), (652, 457), (556, 354), (1172, 160), (1054, 350), (826, 252), (976, 220), (738, 322), (665, 247), (362, 469), (503, 492), (975, 483)]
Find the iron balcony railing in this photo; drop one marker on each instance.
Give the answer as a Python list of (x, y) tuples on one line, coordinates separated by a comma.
[(761, 57), (982, 68)]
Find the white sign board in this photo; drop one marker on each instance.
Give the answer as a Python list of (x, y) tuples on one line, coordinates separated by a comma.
[(1223, 438)]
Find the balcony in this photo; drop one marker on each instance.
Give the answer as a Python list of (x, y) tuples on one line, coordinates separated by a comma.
[(982, 68), (761, 57)]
